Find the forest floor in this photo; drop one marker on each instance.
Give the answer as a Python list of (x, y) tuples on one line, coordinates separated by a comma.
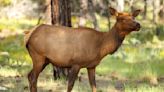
[(104, 84)]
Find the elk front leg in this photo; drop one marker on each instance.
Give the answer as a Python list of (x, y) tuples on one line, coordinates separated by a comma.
[(91, 76), (72, 77)]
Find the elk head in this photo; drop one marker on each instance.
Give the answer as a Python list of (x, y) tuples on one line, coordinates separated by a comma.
[(125, 22)]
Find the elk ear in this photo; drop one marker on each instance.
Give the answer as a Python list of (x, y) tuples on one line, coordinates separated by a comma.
[(113, 11), (135, 13)]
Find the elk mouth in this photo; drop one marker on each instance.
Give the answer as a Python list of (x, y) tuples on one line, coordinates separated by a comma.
[(137, 28)]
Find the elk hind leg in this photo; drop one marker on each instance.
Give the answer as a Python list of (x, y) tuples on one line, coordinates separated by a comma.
[(39, 63)]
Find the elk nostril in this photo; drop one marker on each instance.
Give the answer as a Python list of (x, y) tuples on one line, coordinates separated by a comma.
[(138, 25)]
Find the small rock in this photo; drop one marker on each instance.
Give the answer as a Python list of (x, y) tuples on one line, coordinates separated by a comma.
[(120, 86), (153, 81), (3, 88), (4, 54)]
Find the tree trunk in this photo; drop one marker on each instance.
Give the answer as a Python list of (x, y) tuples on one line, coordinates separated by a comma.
[(83, 12), (120, 5), (48, 12), (61, 15), (91, 11), (155, 10), (87, 11), (108, 3), (161, 11), (131, 3), (145, 9), (55, 12)]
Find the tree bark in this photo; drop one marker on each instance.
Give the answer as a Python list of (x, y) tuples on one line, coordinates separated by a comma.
[(145, 9), (131, 2), (161, 11), (55, 12), (108, 3), (48, 12), (87, 11), (155, 10), (61, 15), (83, 12), (92, 14), (120, 5)]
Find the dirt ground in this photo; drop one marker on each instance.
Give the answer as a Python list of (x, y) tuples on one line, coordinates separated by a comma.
[(47, 84)]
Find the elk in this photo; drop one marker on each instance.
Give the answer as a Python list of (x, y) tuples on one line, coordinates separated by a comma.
[(76, 48)]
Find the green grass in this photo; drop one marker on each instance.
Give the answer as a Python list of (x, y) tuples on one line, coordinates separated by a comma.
[(16, 24), (144, 88), (15, 48)]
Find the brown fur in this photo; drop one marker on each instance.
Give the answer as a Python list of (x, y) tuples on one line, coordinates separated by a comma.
[(28, 35), (75, 48)]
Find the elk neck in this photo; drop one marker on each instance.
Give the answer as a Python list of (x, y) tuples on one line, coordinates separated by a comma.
[(112, 40)]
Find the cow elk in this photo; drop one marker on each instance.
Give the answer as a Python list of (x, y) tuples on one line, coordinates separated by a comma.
[(76, 48)]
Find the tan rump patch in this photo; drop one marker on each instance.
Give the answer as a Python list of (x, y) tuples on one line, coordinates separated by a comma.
[(27, 35)]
